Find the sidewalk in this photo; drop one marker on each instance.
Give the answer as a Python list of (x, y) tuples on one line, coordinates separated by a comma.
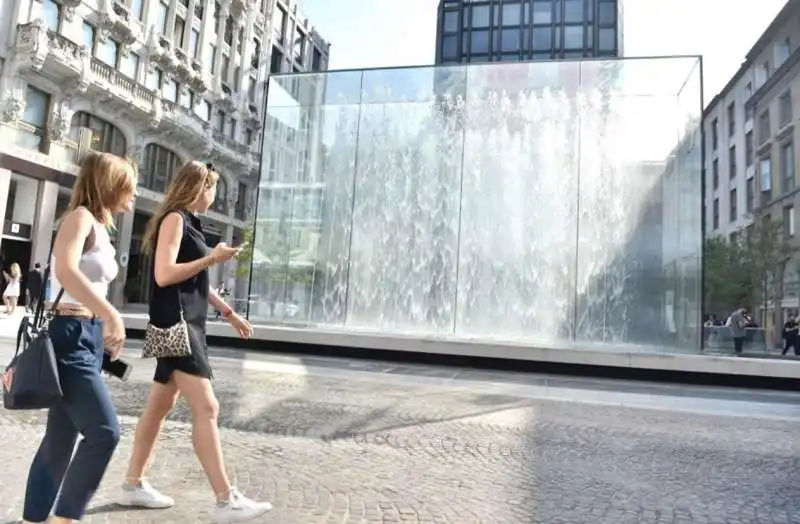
[(344, 444)]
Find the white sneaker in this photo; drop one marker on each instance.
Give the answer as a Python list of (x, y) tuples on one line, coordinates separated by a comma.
[(239, 509), (144, 496)]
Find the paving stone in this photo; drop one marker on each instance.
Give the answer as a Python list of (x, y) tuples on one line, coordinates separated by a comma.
[(326, 449)]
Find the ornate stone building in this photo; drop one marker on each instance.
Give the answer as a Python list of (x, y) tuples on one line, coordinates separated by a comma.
[(159, 81)]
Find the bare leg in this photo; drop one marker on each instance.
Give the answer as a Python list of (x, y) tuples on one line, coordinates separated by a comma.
[(13, 305), (160, 402), (205, 432)]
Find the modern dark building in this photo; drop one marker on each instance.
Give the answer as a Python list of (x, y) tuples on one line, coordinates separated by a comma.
[(515, 30)]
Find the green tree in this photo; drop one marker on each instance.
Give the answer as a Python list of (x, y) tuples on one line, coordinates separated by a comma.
[(727, 280), (768, 252), (748, 270), (245, 257)]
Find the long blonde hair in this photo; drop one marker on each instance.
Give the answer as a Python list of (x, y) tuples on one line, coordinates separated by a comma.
[(102, 179), (16, 272), (184, 190)]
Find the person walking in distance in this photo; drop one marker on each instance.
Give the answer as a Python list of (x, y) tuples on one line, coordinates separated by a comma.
[(181, 285), (791, 334), (34, 284), (738, 323), (11, 293), (85, 326)]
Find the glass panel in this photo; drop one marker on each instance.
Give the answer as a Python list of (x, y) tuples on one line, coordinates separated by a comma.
[(573, 37), (136, 8), (542, 38), (607, 13), (450, 24), (88, 36), (512, 13), (51, 15), (128, 65), (573, 11), (543, 12), (511, 40), (406, 201), (480, 16), (37, 106), (480, 42), (107, 52), (607, 40), (449, 46), (171, 90)]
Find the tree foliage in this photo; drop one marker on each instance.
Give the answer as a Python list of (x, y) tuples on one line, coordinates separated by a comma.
[(748, 269), (245, 257)]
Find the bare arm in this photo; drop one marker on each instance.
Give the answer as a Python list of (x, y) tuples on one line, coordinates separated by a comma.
[(216, 301), (72, 234), (167, 270)]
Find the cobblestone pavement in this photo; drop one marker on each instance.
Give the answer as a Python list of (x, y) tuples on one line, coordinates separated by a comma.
[(329, 447)]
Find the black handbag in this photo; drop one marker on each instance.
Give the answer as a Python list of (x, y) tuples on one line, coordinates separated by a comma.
[(31, 380)]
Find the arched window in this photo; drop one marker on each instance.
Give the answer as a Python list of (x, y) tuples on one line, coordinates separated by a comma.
[(158, 166), (105, 136), (220, 204)]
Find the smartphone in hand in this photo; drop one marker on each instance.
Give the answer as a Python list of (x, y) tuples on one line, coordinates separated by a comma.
[(118, 368)]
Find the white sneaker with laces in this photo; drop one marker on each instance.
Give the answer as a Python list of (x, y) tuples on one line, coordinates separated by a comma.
[(144, 496), (239, 509)]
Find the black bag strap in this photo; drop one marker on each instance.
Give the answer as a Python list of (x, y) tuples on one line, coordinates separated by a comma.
[(38, 316)]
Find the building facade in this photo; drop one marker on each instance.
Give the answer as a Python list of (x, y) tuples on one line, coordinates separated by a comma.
[(751, 161), (159, 81), (515, 30)]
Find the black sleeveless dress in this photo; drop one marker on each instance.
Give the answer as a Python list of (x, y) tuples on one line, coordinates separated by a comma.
[(192, 296)]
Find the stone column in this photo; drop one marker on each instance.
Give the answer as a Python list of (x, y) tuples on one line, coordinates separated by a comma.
[(44, 221), (124, 234), (5, 183)]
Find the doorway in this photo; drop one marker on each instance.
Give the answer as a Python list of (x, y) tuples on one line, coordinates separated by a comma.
[(19, 251)]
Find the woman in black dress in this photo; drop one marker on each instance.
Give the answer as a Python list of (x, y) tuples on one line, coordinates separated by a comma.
[(181, 285)]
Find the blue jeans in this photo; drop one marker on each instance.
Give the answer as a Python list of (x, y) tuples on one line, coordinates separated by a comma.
[(86, 409)]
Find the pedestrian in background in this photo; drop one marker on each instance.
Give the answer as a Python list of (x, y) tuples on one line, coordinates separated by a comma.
[(11, 293), (34, 286)]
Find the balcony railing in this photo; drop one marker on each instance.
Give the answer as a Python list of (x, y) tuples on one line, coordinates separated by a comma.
[(27, 38)]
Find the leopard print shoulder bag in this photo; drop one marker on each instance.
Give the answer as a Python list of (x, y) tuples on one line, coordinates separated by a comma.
[(168, 342)]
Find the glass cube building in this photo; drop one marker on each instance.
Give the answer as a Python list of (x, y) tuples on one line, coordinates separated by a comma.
[(514, 30), (555, 204)]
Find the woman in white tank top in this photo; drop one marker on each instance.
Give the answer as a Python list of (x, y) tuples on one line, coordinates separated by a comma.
[(84, 327)]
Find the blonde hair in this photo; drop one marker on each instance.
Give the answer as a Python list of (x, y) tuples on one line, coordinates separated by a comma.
[(16, 272), (183, 191), (102, 178)]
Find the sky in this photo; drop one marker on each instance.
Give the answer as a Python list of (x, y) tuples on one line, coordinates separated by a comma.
[(388, 33)]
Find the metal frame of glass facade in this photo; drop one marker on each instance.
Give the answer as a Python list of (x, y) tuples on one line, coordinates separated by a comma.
[(516, 30)]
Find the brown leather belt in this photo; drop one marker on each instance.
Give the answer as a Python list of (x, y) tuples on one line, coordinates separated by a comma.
[(71, 310)]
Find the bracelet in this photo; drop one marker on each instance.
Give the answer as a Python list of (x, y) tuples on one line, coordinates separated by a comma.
[(227, 313)]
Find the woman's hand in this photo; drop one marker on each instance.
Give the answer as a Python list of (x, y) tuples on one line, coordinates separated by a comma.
[(113, 334), (241, 325), (222, 252)]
